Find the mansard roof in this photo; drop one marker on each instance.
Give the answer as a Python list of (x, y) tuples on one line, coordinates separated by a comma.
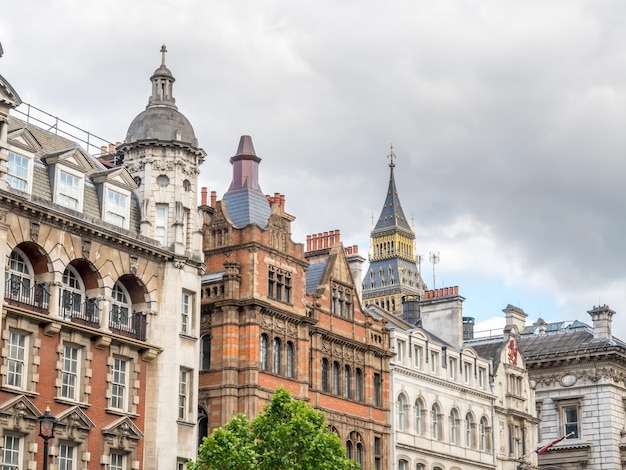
[(577, 341), (48, 149)]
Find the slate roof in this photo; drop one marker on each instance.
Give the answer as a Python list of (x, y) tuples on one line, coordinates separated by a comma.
[(572, 341), (41, 192), (314, 276), (397, 265), (247, 207), (392, 217)]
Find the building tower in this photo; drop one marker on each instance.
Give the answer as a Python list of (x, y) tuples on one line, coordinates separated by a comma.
[(393, 273), (161, 153)]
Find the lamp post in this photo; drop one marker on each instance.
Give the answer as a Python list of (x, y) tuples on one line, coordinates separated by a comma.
[(46, 430)]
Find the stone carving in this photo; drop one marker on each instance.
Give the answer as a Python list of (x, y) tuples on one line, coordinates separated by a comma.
[(34, 231), (86, 248), (134, 261)]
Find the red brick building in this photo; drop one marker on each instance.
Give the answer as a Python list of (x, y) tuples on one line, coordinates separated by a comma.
[(274, 315)]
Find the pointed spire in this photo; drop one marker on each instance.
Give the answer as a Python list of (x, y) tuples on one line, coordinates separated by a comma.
[(392, 215), (162, 85), (245, 202)]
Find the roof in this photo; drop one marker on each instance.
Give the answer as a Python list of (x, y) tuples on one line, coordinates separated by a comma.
[(392, 217), (314, 276), (569, 341), (45, 145)]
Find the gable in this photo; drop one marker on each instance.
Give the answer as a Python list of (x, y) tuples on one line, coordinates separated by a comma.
[(75, 158), (8, 96), (117, 176), (25, 140), (19, 413)]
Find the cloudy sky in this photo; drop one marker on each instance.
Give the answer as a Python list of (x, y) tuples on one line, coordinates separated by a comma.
[(507, 119)]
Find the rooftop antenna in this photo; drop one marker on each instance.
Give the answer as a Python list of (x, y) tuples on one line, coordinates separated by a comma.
[(418, 258), (434, 259)]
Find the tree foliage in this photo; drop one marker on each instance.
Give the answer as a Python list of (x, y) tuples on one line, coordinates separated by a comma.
[(287, 434)]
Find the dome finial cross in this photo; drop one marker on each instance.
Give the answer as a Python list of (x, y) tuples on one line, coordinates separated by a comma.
[(163, 51)]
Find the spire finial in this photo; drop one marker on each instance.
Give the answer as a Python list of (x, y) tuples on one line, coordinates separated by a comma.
[(163, 51), (391, 156)]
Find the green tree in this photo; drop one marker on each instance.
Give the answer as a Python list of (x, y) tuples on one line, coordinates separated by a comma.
[(288, 434)]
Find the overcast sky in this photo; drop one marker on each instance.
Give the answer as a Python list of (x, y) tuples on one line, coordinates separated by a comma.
[(507, 119)]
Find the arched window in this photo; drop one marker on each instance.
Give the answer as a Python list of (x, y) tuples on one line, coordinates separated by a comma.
[(484, 436), (120, 307), (420, 466), (358, 386), (357, 449), (20, 278), (454, 428), (403, 464), (469, 431), (71, 294), (325, 375), (263, 352), (336, 378), (347, 382), (418, 417), (401, 412), (203, 425), (359, 453), (290, 354), (349, 449), (277, 352), (205, 352), (436, 422)]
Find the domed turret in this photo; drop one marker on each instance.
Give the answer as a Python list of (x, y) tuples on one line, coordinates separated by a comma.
[(161, 120)]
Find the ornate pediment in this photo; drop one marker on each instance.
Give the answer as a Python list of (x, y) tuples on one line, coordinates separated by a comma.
[(8, 96), (75, 158), (117, 176), (73, 424), (24, 139), (122, 434), (19, 413)]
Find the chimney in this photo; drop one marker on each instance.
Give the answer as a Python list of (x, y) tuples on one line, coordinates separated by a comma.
[(203, 197), (542, 326), (468, 328), (601, 317), (355, 262), (411, 310), (515, 316), (213, 198)]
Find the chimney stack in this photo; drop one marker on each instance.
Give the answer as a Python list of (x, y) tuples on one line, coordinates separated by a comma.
[(515, 316), (602, 317)]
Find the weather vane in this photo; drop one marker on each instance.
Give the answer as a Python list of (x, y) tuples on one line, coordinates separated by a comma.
[(391, 156)]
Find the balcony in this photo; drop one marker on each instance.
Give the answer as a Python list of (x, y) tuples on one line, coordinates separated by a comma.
[(18, 292), (124, 323), (73, 309)]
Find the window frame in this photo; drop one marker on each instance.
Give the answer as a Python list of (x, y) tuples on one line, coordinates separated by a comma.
[(120, 383), (12, 176), (184, 394), (17, 359), (16, 454), (64, 192), (64, 460), (67, 372), (161, 223), (111, 208)]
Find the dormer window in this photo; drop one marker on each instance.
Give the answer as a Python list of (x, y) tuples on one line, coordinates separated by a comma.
[(69, 190), (117, 207), (19, 170)]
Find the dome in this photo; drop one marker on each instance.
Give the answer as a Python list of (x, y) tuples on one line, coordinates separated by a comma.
[(161, 123), (161, 119)]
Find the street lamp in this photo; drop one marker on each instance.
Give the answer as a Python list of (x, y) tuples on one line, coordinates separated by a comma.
[(46, 430)]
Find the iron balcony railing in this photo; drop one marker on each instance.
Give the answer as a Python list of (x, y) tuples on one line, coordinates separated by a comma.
[(125, 323), (21, 293), (72, 308)]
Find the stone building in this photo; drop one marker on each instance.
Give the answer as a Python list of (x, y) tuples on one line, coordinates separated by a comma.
[(442, 397), (273, 315), (393, 273), (579, 375), (98, 304), (515, 415)]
